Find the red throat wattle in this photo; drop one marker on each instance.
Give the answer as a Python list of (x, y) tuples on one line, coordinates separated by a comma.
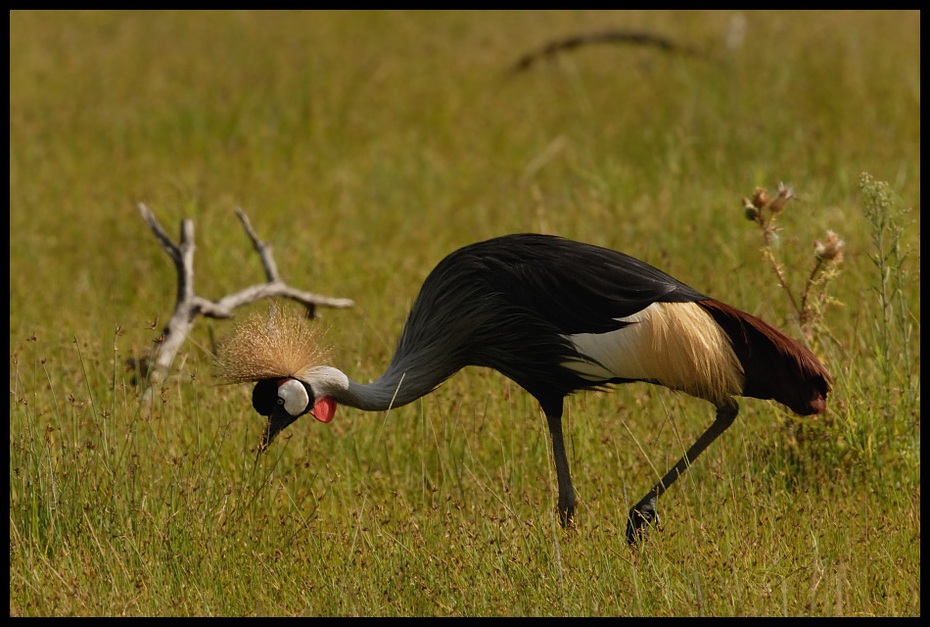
[(324, 409)]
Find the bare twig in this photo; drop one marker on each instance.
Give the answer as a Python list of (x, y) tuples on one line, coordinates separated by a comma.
[(641, 38), (189, 304), (263, 249)]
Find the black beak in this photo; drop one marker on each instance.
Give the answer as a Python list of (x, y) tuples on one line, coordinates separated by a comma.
[(277, 422)]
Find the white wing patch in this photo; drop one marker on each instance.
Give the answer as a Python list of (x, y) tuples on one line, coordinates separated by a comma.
[(677, 345)]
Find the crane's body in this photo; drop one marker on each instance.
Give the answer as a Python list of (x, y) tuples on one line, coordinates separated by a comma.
[(558, 316)]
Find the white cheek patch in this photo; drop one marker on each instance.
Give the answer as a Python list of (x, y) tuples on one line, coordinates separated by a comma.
[(295, 397)]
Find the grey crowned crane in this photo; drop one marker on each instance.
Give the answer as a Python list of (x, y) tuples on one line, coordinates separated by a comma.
[(555, 316)]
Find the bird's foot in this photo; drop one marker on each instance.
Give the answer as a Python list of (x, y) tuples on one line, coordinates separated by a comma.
[(641, 516), (567, 515)]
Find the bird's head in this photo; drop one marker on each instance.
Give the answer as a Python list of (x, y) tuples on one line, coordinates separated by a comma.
[(282, 354), (284, 400)]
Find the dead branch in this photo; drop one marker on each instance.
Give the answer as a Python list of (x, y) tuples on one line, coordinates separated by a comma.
[(189, 305), (640, 38)]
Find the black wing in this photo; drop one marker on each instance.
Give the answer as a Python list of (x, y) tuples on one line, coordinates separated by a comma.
[(576, 287), (509, 303)]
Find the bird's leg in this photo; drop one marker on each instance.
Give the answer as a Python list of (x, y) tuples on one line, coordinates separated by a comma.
[(566, 490), (644, 513)]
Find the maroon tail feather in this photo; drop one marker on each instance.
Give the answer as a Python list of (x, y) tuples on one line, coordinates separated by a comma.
[(776, 366)]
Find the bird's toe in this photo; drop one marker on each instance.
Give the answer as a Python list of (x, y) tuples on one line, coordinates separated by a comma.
[(567, 511), (567, 517)]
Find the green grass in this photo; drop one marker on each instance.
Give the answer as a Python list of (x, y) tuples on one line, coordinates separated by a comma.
[(364, 147)]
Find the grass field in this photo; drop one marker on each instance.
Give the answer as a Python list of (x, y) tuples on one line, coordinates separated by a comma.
[(364, 146)]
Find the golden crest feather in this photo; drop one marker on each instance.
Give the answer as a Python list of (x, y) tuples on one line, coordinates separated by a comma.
[(273, 345)]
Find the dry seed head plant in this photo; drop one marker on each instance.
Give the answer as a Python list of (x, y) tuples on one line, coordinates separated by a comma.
[(763, 209)]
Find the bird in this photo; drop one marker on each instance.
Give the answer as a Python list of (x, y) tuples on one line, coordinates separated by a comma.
[(558, 317)]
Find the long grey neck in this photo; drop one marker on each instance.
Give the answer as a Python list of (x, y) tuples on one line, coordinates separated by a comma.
[(411, 375), (393, 389)]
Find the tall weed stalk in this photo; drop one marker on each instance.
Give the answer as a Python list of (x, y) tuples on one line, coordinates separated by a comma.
[(893, 330)]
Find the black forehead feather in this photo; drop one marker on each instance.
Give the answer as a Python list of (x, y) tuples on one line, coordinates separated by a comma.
[(264, 396)]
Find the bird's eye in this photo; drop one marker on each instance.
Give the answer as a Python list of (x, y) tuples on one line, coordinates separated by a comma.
[(279, 401)]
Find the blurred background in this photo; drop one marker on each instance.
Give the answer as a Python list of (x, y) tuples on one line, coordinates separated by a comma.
[(366, 145)]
